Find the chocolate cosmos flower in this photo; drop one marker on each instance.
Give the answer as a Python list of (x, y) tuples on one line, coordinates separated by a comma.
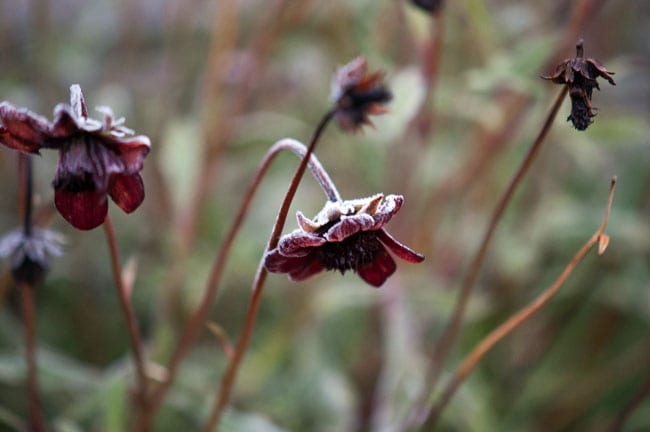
[(97, 158), (30, 253), (580, 75), (358, 94), (345, 235)]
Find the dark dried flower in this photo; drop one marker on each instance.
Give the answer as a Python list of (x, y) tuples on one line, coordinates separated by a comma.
[(358, 94), (344, 235), (580, 74), (431, 6), (97, 158), (30, 253)]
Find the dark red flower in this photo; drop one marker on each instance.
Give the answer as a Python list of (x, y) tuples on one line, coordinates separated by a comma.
[(358, 94), (97, 158), (431, 6), (345, 235), (30, 253), (580, 74)]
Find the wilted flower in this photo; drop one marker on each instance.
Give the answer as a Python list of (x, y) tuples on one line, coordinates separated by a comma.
[(580, 74), (431, 6), (96, 157), (358, 94), (344, 235), (30, 253)]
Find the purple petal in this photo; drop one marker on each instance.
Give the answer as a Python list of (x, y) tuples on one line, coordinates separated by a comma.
[(378, 271), (127, 191), (132, 152), (22, 129), (298, 268), (299, 243), (65, 123), (398, 248), (78, 102), (349, 225), (84, 210)]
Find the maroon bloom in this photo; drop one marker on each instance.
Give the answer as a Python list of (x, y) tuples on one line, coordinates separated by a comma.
[(97, 158), (580, 74), (358, 94), (345, 235)]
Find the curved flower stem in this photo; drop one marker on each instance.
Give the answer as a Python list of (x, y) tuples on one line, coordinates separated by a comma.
[(258, 284), (487, 343), (196, 322), (37, 424), (445, 343), (132, 324)]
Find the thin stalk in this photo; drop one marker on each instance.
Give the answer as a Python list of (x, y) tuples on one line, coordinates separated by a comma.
[(196, 322), (446, 341), (132, 324), (258, 284), (37, 423), (487, 343)]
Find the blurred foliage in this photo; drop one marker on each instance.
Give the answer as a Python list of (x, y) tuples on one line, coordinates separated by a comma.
[(221, 81)]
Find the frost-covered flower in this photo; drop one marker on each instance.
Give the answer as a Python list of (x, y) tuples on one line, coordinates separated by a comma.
[(580, 74), (358, 94), (30, 253), (344, 235), (97, 158)]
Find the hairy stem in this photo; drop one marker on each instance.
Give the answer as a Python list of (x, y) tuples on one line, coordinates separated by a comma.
[(487, 343), (132, 324), (258, 284), (37, 424), (196, 322)]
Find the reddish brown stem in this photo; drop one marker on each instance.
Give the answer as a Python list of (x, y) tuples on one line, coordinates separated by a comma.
[(36, 421), (258, 284), (131, 322), (195, 324), (487, 343), (445, 342)]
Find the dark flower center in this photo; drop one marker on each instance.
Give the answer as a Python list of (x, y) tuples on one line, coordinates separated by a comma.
[(352, 253)]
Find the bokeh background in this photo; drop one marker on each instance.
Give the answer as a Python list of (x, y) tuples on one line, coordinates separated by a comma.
[(215, 83)]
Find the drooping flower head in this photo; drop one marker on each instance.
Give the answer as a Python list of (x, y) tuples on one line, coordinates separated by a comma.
[(358, 94), (580, 74), (30, 253), (97, 158), (344, 235)]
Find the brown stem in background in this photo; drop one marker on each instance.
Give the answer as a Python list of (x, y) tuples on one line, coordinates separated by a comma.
[(631, 406), (445, 343), (487, 343), (195, 324), (36, 421), (258, 284), (131, 322)]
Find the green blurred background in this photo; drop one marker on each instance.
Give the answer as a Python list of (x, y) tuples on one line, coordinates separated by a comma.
[(215, 83)]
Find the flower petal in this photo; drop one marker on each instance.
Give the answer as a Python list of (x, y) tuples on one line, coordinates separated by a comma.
[(84, 210), (349, 225), (127, 191), (77, 101), (132, 152), (22, 129), (376, 272), (299, 243), (398, 248), (65, 123), (298, 268)]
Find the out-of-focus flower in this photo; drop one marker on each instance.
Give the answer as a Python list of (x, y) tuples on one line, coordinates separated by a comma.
[(580, 74), (344, 235), (431, 6), (30, 253), (97, 158), (358, 94)]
